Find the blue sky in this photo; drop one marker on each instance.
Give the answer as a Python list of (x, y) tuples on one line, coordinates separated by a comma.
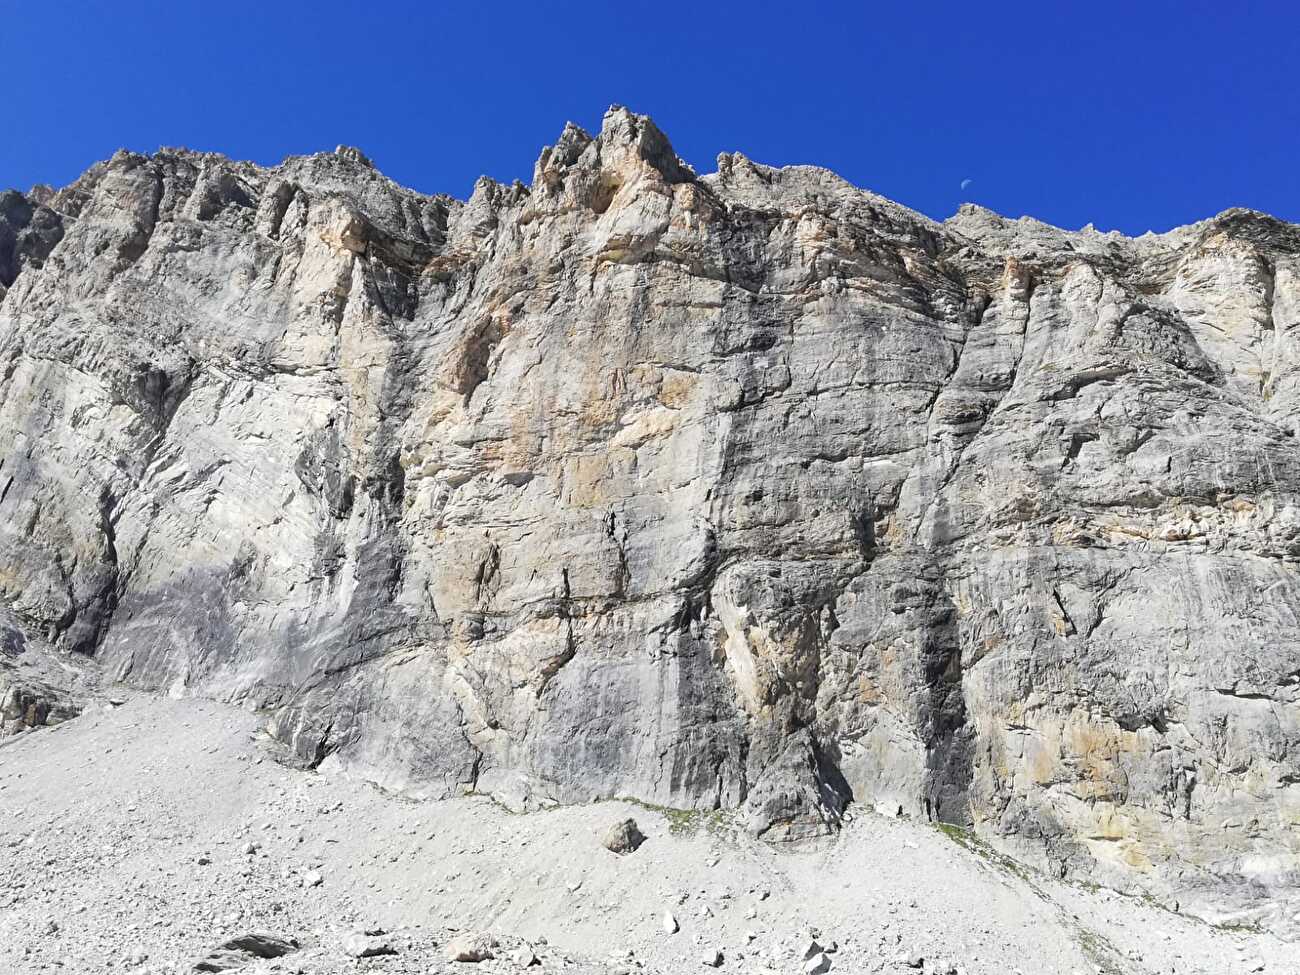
[(1135, 116)]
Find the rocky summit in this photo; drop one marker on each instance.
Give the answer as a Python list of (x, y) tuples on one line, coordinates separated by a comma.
[(751, 491)]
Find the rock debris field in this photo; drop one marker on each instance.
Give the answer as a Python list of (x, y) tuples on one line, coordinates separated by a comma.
[(159, 836)]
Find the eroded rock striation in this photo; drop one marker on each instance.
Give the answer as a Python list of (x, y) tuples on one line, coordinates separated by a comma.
[(752, 490)]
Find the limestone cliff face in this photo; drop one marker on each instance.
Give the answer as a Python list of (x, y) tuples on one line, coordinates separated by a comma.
[(748, 490)]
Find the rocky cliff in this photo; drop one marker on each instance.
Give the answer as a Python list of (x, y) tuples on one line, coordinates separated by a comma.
[(751, 490)]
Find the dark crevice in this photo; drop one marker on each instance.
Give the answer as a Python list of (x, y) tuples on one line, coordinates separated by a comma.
[(944, 721)]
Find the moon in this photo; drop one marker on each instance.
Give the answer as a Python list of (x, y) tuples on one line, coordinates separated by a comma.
[(966, 182)]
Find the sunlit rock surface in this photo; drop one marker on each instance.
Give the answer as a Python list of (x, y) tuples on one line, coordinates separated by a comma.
[(752, 490)]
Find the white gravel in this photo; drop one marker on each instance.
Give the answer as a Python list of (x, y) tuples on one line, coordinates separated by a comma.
[(137, 838)]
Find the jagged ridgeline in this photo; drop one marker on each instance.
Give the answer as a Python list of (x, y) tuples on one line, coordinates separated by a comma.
[(748, 491)]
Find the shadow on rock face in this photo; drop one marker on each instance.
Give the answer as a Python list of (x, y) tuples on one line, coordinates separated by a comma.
[(801, 795)]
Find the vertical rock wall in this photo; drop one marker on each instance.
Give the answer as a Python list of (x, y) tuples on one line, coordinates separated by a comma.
[(748, 490)]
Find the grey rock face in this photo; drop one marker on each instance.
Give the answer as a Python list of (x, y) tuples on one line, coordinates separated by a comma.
[(28, 232), (746, 490), (34, 690)]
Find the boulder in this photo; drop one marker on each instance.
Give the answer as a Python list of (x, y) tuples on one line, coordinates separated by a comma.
[(245, 949), (361, 944), (471, 947), (623, 837)]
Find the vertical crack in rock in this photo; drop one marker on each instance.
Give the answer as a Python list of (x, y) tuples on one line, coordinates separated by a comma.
[(949, 758)]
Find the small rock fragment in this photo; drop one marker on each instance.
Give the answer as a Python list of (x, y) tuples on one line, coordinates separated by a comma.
[(670, 923), (471, 947), (818, 964), (364, 945), (524, 957), (239, 951)]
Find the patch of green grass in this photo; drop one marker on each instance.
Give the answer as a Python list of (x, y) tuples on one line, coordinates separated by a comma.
[(968, 841), (1099, 951), (1239, 927), (682, 822), (962, 837), (1151, 901), (1103, 955)]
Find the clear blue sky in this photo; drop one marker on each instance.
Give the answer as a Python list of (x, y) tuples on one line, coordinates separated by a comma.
[(1137, 115)]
